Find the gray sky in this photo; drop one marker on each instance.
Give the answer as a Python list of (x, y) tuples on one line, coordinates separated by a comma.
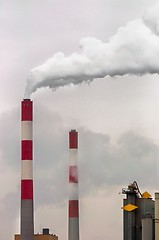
[(117, 117)]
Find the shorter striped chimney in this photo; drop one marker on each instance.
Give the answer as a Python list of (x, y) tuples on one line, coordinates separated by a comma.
[(27, 218), (73, 224)]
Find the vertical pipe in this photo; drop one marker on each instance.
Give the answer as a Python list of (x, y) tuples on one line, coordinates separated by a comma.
[(147, 228), (156, 216), (131, 215), (73, 228), (27, 218)]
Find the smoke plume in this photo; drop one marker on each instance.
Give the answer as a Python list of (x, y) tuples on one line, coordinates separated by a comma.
[(134, 49)]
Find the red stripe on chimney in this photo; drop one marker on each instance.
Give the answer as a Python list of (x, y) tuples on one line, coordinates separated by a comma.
[(26, 110), (26, 150), (73, 208), (26, 189), (73, 177), (73, 139)]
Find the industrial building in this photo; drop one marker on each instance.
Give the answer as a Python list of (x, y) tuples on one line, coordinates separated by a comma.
[(44, 236), (140, 215)]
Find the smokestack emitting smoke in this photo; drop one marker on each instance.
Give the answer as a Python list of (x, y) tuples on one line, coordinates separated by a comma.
[(134, 49), (73, 223), (27, 215)]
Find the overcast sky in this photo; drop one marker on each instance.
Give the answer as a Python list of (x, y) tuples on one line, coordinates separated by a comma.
[(117, 116)]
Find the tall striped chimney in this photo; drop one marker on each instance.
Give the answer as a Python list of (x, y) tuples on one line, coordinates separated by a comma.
[(73, 224), (27, 215)]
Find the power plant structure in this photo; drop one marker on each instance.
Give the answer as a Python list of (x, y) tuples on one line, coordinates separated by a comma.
[(27, 205), (140, 215), (27, 211), (73, 223)]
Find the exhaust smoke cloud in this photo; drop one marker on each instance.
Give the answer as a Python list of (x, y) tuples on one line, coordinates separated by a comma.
[(134, 49)]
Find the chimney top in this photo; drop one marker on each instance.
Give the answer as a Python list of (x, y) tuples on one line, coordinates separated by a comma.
[(45, 231)]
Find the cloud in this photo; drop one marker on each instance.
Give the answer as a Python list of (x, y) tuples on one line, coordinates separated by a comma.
[(9, 212), (10, 136), (105, 164), (151, 18)]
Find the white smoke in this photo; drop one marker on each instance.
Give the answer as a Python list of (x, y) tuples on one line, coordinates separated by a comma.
[(134, 49)]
